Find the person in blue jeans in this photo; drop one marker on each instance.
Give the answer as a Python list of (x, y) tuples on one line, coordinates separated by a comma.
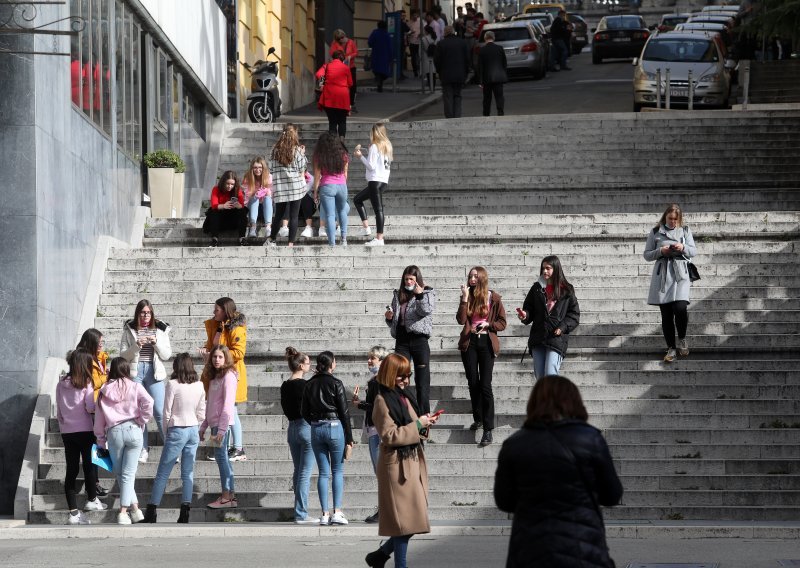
[(324, 406), (299, 433), (184, 409), (145, 345), (330, 183)]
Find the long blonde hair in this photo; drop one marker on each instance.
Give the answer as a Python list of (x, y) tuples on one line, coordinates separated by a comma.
[(250, 178), (283, 151), (380, 138)]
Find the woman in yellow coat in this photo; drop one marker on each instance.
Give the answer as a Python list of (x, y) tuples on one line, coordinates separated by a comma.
[(228, 328), (402, 470)]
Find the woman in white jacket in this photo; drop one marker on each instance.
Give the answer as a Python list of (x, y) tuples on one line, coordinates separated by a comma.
[(378, 163), (145, 345)]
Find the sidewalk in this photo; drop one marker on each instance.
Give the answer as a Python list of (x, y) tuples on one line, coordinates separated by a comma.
[(373, 106)]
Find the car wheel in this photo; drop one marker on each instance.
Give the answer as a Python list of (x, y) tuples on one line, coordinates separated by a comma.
[(596, 59)]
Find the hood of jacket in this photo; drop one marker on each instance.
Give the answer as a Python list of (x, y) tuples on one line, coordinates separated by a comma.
[(114, 392), (237, 321)]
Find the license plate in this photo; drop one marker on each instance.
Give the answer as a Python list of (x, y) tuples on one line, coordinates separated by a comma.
[(511, 50), (621, 39), (678, 93)]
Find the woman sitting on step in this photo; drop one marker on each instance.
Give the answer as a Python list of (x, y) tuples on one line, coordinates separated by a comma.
[(257, 188), (227, 209)]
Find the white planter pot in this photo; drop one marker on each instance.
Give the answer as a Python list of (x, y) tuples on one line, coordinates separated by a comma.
[(159, 184), (178, 181)]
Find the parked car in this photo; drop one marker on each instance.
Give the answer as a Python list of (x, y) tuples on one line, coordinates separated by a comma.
[(580, 32), (543, 17), (700, 52), (735, 10), (523, 44), (551, 9), (712, 27), (729, 22), (669, 21), (619, 36)]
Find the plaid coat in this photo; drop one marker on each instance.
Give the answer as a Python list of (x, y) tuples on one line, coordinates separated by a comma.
[(288, 182)]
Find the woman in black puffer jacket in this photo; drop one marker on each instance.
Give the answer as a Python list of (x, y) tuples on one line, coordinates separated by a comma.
[(553, 474)]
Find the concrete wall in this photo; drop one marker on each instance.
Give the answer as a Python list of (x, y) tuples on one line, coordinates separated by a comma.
[(197, 30), (63, 185)]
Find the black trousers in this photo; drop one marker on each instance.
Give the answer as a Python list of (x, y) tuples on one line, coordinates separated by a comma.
[(675, 314), (290, 208), (495, 89), (415, 347), (352, 88), (77, 449), (379, 79), (307, 207), (414, 49), (226, 220), (337, 121), (478, 362), (451, 96), (373, 192)]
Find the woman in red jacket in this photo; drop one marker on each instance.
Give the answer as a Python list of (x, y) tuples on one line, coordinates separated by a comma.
[(227, 209), (347, 46), (335, 97)]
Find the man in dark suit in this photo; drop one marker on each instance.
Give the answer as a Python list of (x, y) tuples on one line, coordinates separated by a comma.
[(452, 65), (492, 73)]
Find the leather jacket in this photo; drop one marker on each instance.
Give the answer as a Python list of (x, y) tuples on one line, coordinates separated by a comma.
[(565, 315), (324, 399)]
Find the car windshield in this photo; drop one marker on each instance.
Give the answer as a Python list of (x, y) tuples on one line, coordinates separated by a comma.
[(620, 23), (510, 34), (688, 50)]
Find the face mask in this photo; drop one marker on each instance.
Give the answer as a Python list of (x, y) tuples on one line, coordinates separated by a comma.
[(410, 288), (374, 370), (542, 281)]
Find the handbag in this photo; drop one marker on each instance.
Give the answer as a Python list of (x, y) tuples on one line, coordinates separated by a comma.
[(321, 81), (691, 268)]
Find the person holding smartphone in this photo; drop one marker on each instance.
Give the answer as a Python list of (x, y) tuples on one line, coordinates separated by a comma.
[(482, 314), (227, 209), (551, 309), (410, 319)]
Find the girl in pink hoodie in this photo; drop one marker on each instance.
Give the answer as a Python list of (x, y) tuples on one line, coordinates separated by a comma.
[(123, 410), (220, 375)]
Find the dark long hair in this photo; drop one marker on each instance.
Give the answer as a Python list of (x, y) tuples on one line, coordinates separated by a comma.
[(229, 306), (329, 154), (90, 341), (404, 295), (80, 368), (183, 369), (139, 307), (555, 398), (561, 286), (229, 174)]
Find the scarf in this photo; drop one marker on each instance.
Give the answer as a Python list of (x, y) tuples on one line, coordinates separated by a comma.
[(679, 262), (398, 411)]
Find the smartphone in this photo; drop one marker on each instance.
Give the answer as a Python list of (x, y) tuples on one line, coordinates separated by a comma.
[(388, 308), (437, 413)]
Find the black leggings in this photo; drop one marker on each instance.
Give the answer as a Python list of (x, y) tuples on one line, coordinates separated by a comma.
[(280, 210), (337, 120), (416, 348), (373, 192), (672, 315), (77, 448), (478, 362), (307, 207)]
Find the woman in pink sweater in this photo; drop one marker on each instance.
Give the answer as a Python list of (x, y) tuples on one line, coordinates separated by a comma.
[(220, 374), (184, 409), (123, 410), (75, 400)]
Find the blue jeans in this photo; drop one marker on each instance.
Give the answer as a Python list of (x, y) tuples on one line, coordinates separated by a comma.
[(374, 445), (398, 545), (236, 429), (299, 438), (327, 441), (333, 198), (124, 445), (224, 464), (181, 441), (545, 361), (146, 376), (252, 208)]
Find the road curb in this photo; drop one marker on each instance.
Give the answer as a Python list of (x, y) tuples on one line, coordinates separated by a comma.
[(411, 111)]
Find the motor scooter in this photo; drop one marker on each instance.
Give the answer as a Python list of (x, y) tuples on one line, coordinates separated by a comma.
[(265, 100)]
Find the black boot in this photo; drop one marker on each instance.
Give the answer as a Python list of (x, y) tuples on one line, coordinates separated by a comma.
[(486, 439), (184, 516), (376, 559), (150, 513)]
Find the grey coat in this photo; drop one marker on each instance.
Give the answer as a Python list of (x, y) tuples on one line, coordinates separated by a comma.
[(670, 280), (419, 314)]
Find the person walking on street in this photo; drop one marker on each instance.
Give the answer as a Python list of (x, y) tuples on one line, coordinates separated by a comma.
[(349, 49), (428, 47), (452, 63), (381, 44), (335, 99), (492, 73), (560, 30), (413, 37)]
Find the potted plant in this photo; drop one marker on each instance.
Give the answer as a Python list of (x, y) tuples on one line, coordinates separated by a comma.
[(165, 179)]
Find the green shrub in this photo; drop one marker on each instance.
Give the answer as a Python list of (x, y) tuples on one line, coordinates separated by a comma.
[(165, 159)]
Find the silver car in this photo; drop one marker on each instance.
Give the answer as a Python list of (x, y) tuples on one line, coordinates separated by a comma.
[(524, 46), (702, 53)]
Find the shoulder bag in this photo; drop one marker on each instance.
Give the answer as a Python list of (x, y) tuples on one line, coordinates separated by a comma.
[(691, 268)]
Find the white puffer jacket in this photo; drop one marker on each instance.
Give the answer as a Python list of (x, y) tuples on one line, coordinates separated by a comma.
[(162, 352)]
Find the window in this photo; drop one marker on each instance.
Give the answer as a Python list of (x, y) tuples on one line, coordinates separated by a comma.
[(90, 62)]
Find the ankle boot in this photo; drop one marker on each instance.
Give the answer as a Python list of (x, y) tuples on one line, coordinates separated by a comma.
[(376, 559), (150, 514), (184, 516)]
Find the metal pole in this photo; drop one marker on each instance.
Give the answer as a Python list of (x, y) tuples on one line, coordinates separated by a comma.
[(394, 75), (691, 91), (667, 94), (658, 88), (746, 85)]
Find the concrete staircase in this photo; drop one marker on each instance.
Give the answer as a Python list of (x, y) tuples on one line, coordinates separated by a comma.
[(713, 436), (775, 81)]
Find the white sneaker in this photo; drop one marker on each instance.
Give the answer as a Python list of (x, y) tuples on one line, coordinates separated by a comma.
[(670, 356), (79, 519), (269, 243), (683, 348), (364, 232), (144, 455), (96, 505), (306, 521), (252, 232), (343, 242), (338, 231), (376, 242), (325, 519), (123, 519), (323, 232), (137, 516), (283, 231), (338, 519), (308, 232)]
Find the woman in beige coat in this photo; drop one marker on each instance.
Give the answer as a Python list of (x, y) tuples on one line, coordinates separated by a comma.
[(402, 470)]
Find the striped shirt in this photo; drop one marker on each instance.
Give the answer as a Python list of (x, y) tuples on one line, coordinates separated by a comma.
[(146, 352)]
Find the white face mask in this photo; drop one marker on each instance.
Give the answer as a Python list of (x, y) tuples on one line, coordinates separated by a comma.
[(410, 288), (374, 370)]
